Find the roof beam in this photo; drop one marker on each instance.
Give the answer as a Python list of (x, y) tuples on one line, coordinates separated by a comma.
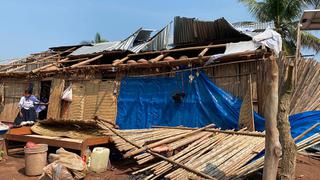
[(45, 58), (204, 51), (87, 61), (180, 49), (117, 62)]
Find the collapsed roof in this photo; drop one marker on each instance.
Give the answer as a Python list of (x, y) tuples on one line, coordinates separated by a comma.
[(191, 39)]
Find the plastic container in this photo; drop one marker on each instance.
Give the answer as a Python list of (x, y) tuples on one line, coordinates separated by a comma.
[(35, 159), (99, 159)]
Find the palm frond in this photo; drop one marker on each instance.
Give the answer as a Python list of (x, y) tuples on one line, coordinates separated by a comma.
[(292, 9), (310, 41), (289, 47), (258, 9), (314, 3)]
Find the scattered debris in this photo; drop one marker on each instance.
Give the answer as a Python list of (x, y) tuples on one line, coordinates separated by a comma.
[(65, 165)]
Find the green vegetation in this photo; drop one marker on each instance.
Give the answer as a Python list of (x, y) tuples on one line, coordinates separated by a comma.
[(285, 14)]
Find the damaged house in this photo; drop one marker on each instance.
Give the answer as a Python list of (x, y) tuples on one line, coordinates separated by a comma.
[(190, 73)]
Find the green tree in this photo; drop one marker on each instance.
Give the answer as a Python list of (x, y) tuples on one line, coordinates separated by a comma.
[(97, 39), (285, 14)]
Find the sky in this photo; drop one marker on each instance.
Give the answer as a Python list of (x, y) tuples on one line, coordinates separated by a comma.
[(35, 25)]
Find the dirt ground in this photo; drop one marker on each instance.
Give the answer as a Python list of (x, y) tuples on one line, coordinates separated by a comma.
[(13, 169)]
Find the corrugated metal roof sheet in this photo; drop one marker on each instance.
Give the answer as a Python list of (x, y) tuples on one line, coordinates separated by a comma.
[(192, 31), (96, 48), (159, 41), (131, 43), (310, 20), (253, 26)]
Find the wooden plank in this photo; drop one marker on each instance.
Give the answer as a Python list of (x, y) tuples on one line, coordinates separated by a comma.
[(54, 107), (58, 142), (20, 131), (246, 119)]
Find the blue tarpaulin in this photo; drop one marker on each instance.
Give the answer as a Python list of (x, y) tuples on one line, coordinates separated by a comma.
[(144, 102)]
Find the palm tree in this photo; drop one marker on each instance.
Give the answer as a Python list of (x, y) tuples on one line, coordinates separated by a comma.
[(97, 39), (285, 14)]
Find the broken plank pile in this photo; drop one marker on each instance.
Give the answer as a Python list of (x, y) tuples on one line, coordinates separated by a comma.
[(191, 153)]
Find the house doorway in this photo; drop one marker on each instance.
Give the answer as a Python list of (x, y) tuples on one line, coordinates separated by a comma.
[(45, 87)]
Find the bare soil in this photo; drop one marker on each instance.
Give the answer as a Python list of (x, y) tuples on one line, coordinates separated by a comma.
[(308, 168)]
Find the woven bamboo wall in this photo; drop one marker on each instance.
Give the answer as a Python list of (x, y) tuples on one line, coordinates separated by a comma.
[(13, 89), (306, 96), (233, 78), (92, 98)]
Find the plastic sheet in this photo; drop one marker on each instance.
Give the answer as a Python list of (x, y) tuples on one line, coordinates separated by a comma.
[(172, 101)]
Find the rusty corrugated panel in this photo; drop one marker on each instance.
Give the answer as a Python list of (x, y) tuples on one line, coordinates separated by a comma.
[(193, 31)]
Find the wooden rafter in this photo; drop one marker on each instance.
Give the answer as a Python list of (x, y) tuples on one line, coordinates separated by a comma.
[(87, 61), (204, 51), (43, 59)]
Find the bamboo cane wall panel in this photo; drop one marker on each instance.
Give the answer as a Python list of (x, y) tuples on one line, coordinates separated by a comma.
[(13, 90), (306, 96), (92, 98), (233, 78)]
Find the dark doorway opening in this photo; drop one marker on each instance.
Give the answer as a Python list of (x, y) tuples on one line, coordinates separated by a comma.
[(44, 97)]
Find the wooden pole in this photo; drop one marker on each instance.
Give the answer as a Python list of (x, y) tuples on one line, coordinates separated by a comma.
[(306, 132), (257, 134), (162, 157), (164, 141), (45, 58), (204, 51), (297, 55), (289, 149), (120, 61), (272, 144), (158, 58), (87, 61)]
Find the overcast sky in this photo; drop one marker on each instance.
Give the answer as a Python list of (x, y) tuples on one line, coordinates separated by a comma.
[(34, 25)]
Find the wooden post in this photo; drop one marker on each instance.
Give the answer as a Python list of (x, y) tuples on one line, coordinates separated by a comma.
[(297, 55), (246, 119), (289, 149), (272, 144)]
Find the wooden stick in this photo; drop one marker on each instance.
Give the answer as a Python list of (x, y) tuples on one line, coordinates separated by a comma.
[(165, 141), (43, 67), (259, 134), (180, 49), (204, 51), (87, 61), (164, 158), (306, 132), (45, 58), (120, 61), (158, 58), (104, 120)]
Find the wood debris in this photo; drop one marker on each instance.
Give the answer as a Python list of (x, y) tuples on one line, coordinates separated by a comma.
[(217, 153), (179, 153)]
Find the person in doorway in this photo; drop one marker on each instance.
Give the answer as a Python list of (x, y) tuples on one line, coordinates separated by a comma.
[(27, 112)]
